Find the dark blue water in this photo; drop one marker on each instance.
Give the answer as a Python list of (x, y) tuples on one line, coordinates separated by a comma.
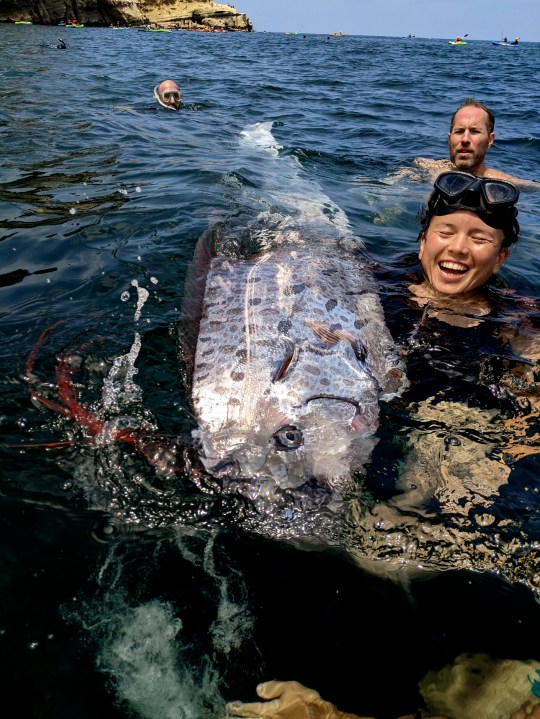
[(125, 594)]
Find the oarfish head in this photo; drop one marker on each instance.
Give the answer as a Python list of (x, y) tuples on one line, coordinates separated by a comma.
[(293, 414)]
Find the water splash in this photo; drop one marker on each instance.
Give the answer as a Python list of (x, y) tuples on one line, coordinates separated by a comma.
[(119, 387), (143, 652), (233, 623), (142, 296), (147, 649)]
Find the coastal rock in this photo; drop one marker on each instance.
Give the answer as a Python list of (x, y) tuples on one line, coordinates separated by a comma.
[(183, 14)]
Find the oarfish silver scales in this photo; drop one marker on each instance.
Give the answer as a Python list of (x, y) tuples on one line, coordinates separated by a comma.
[(292, 358)]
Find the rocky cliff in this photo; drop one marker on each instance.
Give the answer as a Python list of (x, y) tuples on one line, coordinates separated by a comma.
[(186, 14)]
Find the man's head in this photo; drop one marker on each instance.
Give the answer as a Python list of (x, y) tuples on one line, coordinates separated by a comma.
[(471, 135), (168, 94), (468, 225)]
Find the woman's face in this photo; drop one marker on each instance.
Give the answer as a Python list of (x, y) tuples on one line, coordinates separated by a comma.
[(459, 252)]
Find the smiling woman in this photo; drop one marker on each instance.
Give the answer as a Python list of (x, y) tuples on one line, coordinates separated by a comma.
[(468, 226), (458, 471), (460, 253)]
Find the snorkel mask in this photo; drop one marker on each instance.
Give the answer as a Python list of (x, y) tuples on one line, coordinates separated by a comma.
[(494, 201), (166, 95)]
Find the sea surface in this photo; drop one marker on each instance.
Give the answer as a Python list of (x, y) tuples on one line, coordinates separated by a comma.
[(127, 595)]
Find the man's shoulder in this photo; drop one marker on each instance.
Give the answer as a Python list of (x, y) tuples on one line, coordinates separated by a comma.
[(524, 184), (498, 175)]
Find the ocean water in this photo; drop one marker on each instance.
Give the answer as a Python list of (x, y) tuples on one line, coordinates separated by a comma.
[(125, 594)]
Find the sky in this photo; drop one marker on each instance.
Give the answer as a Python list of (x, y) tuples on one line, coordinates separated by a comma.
[(480, 19)]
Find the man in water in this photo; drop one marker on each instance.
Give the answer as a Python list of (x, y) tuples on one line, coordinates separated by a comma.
[(168, 95), (470, 137)]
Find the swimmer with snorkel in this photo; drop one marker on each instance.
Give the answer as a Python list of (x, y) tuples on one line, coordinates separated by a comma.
[(168, 95)]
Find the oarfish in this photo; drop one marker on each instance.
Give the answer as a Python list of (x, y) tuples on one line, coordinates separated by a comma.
[(291, 352)]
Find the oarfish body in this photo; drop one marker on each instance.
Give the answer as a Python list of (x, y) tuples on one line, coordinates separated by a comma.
[(292, 353)]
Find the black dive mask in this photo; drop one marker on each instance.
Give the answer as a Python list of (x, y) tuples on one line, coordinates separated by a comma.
[(491, 199)]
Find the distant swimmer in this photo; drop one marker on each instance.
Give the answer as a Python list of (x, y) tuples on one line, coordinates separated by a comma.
[(168, 95), (62, 45)]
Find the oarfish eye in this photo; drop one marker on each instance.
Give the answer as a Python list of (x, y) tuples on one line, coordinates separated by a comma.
[(288, 437)]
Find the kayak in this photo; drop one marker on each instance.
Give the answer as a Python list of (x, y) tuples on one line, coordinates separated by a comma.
[(73, 25), (506, 44), (455, 42), (144, 29), (22, 22)]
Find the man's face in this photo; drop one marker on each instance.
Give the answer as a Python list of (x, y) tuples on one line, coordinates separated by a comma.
[(169, 94), (459, 252), (469, 139)]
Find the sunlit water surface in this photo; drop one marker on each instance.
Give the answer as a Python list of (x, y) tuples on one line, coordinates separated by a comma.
[(126, 592)]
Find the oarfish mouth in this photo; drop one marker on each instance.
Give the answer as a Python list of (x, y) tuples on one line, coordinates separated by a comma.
[(334, 397), (354, 419)]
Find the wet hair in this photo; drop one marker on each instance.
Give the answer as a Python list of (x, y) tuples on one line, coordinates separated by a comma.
[(471, 102), (510, 227)]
